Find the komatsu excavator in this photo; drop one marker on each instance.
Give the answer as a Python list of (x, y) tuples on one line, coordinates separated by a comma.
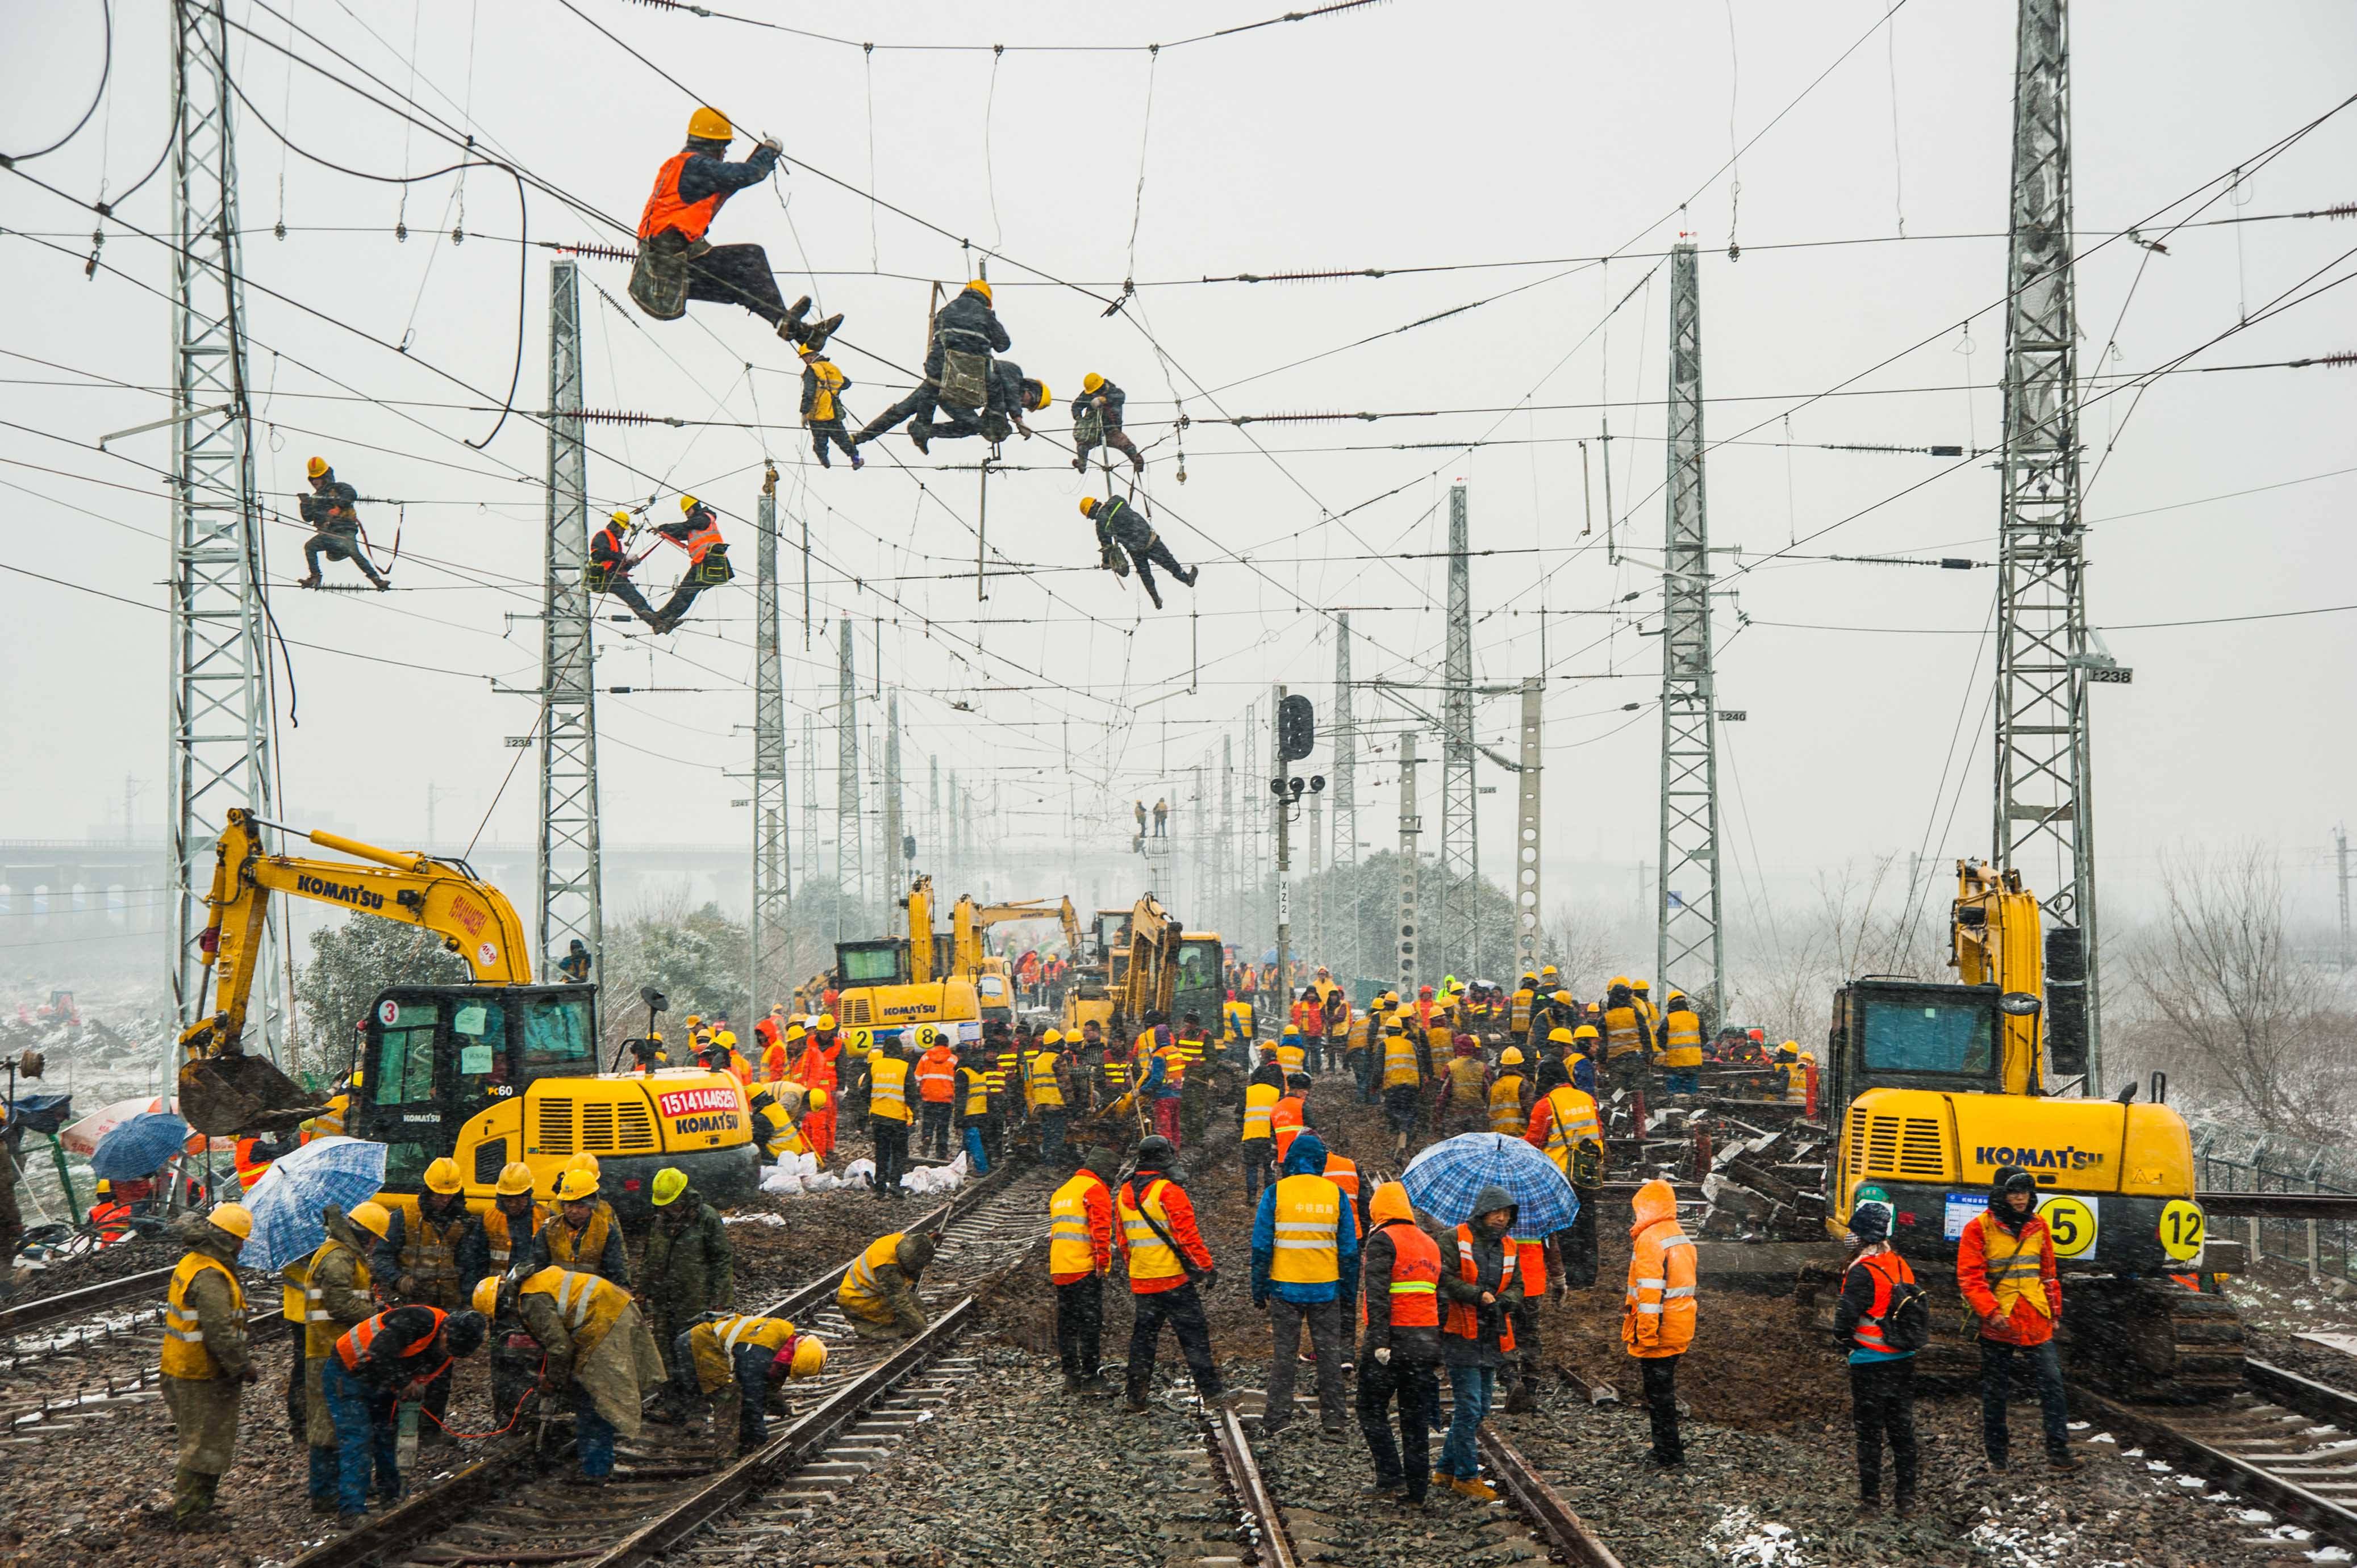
[(993, 981), (486, 1073), (1936, 1087), (891, 984)]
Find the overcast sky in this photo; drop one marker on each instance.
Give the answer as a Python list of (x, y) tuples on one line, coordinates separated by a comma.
[(1504, 147)]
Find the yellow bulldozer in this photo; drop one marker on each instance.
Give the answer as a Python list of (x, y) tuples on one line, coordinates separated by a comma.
[(485, 1073)]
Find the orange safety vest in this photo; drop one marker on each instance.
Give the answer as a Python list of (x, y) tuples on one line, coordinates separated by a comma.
[(1284, 1123), (1415, 1278), (699, 544), (665, 210), (1464, 1316), (360, 1335), (1890, 1270), (937, 1075), (249, 1169)]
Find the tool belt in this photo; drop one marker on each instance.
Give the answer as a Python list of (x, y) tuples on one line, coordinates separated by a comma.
[(1115, 561), (714, 569), (965, 379), (596, 577), (659, 279)]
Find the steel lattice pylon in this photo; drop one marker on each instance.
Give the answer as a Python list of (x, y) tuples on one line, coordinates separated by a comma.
[(772, 812), (850, 832), (1687, 935), (2043, 779), (219, 744), (570, 880), (1460, 847), (1411, 826), (1526, 833), (1345, 746)]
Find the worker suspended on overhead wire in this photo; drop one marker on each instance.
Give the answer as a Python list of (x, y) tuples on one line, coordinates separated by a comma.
[(698, 532), (823, 387), (1121, 527), (957, 366), (336, 526), (1096, 421), (1012, 395), (609, 567), (677, 263)]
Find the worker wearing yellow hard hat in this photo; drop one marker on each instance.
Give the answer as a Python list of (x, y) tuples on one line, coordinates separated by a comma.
[(749, 1355), (332, 509), (609, 567), (327, 1292), (966, 333), (1127, 540), (583, 1233), (205, 1361), (688, 1268), (1097, 420), (674, 263)]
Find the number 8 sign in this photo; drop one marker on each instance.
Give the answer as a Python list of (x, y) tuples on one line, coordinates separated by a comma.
[(2072, 1221)]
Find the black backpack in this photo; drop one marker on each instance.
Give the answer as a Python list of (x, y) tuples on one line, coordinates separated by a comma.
[(1907, 1323)]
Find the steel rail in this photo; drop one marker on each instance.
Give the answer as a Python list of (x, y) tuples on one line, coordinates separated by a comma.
[(1234, 1446), (40, 1312), (2274, 1483), (1563, 1529)]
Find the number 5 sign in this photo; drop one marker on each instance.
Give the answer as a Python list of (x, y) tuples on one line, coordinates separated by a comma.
[(2072, 1222)]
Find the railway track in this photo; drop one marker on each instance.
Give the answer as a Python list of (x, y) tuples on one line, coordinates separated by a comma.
[(670, 1494)]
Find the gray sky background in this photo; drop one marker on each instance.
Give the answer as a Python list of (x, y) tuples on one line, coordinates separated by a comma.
[(1413, 135)]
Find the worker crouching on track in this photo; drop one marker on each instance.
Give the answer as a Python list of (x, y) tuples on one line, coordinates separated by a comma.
[(206, 1361), (689, 1270), (1399, 1355), (397, 1355), (1305, 1261), (1658, 1322), (2005, 1263), (1169, 1266), (1080, 1256), (1477, 1335), (748, 1355), (599, 1356), (337, 1291), (878, 1292), (1881, 1374), (424, 1262)]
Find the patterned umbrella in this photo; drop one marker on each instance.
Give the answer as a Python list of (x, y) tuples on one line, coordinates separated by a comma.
[(139, 1146), (287, 1199), (1444, 1179)]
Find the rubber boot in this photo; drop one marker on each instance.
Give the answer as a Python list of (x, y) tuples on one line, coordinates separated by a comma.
[(1524, 1397), (823, 331), (922, 435)]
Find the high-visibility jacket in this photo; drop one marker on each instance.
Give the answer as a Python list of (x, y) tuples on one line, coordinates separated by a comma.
[(361, 1335), (1518, 1014), (1344, 1173), (818, 1066), (495, 1230), (1309, 1018), (704, 532), (1565, 1118), (1238, 1018), (1415, 1278), (1152, 1265), (1889, 1270), (823, 408), (1174, 1068), (185, 1354), (1506, 1105), (1116, 1067), (887, 1088), (1292, 1058), (774, 1062), (977, 1091), (859, 1293), (249, 1169), (1308, 1217), (429, 1251), (1260, 1103), (584, 1249), (1284, 1123), (774, 1128), (319, 1330), (1041, 1091), (1469, 1084), (1658, 1316), (1464, 1318), (1079, 1228), (2010, 1279), (712, 1346), (1399, 1066), (589, 1305), (1682, 1039), (1621, 1033), (665, 210), (937, 1075)]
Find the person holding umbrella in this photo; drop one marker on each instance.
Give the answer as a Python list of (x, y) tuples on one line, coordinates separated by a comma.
[(206, 1363), (1477, 1334)]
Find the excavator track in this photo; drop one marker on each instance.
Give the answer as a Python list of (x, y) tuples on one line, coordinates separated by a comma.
[(2153, 1341)]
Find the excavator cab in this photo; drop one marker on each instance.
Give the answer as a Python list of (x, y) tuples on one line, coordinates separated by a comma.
[(433, 1058)]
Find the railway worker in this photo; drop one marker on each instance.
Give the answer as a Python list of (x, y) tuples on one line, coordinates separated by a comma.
[(331, 510), (206, 1360), (1508, 1093), (1463, 1105), (425, 1262), (1291, 1054), (1097, 421), (1194, 1043), (609, 567), (1012, 395), (582, 1233), (1080, 1256), (689, 1269), (1657, 1322), (1169, 1268), (698, 533), (779, 1112), (1113, 1067), (1565, 1127), (399, 1354), (1289, 1117), (966, 332), (1531, 1267), (878, 1292), (1358, 1054), (509, 1226), (337, 1290), (1628, 1038), (745, 1356), (1047, 1088), (1477, 1334), (1236, 1024), (1005, 1054), (1399, 1351), (1125, 540), (598, 1358), (974, 1124), (675, 265), (823, 387), (1681, 1046), (1259, 1132), (936, 1092), (1518, 1006), (1581, 1051), (2005, 1263), (819, 1066), (1881, 1377), (1403, 1079), (891, 1079), (1305, 1265)]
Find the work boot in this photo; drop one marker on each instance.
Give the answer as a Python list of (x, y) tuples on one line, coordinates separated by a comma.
[(204, 1521), (1524, 1400), (922, 435), (1136, 1405), (792, 328), (2062, 1464), (1151, 594), (323, 1506), (1473, 1487), (1071, 1383), (857, 462), (1383, 1486), (1081, 464), (821, 331), (310, 582), (350, 1521), (1904, 1505), (1187, 575)]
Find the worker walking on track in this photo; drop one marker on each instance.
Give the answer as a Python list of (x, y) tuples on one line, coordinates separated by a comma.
[(337, 1291), (331, 510), (1169, 1268), (206, 1360), (2005, 1263), (1681, 1042), (1477, 1334), (1881, 1369), (1628, 1038), (1399, 1354), (395, 1356), (1097, 420), (891, 1077), (1565, 1127), (974, 1117), (1403, 1079), (689, 1269), (676, 263), (599, 1358), (1305, 1266), (1125, 538), (1047, 1091), (1261, 1095), (1080, 1256), (744, 1355), (1657, 1323), (936, 1092), (878, 1292)]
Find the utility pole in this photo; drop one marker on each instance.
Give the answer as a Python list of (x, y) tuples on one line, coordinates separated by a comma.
[(1526, 834), (2044, 657), (571, 879), (1230, 917), (1461, 853), (895, 859), (809, 799), (933, 812), (1318, 903), (772, 812), (1410, 825), (1690, 952), (1284, 858), (1345, 750), (220, 740), (958, 876), (850, 864), (2341, 846)]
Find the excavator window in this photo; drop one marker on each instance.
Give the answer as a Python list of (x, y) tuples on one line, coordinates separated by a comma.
[(403, 1073), (870, 963), (557, 1034), (1908, 1036)]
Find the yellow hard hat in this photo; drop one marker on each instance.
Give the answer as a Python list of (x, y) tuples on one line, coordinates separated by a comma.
[(486, 1299), (687, 504), (1790, 1046), (796, 1032), (1808, 1056), (316, 467), (623, 518), (1087, 506), (1550, 969), (1564, 1036), (1092, 381), (1045, 397), (442, 1177), (670, 1182), (234, 1218), (1585, 1032), (982, 287), (709, 124), (1562, 996), (692, 1019), (816, 1099), (1641, 985), (371, 1217), (576, 1187), (810, 1357), (1510, 1056), (1052, 1038), (825, 1022), (1619, 979), (515, 1177), (585, 1161)]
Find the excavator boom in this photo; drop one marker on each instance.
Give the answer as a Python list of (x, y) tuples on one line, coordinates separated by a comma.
[(224, 1092)]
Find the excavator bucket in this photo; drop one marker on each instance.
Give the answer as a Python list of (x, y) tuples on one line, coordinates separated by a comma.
[(236, 1096)]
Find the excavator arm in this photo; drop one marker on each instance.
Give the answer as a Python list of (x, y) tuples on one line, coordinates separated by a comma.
[(1150, 982), (225, 1092)]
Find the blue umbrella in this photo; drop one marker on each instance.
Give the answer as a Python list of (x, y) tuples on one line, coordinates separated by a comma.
[(1444, 1178), (287, 1199), (138, 1148)]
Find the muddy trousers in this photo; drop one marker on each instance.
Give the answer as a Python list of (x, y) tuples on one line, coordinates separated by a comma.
[(1661, 1406), (1257, 1167), (1285, 1321), (1575, 1247), (1996, 1380), (1417, 1385), (1080, 1326), (1182, 1308), (1883, 1404), (891, 1153), (934, 1139)]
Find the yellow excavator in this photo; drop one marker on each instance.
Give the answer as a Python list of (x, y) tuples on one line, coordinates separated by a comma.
[(891, 984), (993, 981), (1164, 969), (1936, 1087), (486, 1073)]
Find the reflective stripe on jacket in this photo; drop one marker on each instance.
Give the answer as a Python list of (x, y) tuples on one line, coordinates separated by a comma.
[(185, 1354), (588, 1306), (887, 1088), (1309, 1218)]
